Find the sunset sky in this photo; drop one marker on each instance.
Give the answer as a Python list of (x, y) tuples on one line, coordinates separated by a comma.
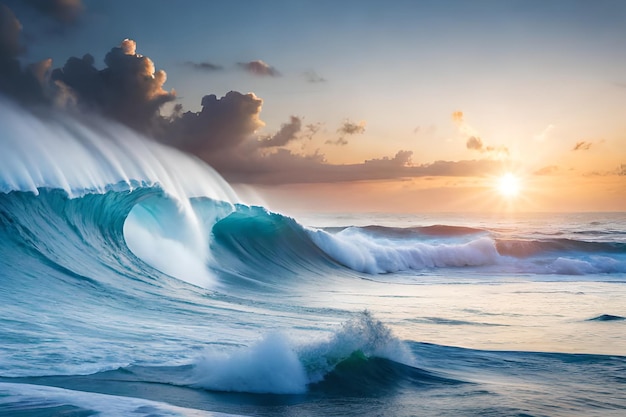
[(401, 106)]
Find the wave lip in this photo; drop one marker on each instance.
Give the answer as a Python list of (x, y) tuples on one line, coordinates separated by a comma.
[(372, 255)]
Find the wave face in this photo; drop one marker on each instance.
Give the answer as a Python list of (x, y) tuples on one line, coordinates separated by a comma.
[(128, 269)]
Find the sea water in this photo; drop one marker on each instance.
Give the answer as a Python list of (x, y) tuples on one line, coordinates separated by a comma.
[(134, 282)]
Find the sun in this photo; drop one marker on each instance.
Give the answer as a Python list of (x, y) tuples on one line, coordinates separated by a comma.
[(508, 185)]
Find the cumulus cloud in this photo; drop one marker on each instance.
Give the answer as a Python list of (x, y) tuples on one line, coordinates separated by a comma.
[(287, 133), (64, 11), (223, 123), (259, 68), (26, 85), (204, 66), (346, 129), (129, 89)]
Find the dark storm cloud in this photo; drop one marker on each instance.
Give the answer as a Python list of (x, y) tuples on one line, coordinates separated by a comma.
[(582, 146), (259, 68), (64, 11), (10, 29), (222, 123), (287, 133), (204, 66), (129, 89), (25, 85)]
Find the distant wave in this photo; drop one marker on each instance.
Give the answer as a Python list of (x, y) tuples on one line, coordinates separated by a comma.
[(525, 248), (440, 230), (608, 317)]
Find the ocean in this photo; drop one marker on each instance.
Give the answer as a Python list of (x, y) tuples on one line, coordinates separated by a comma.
[(134, 282)]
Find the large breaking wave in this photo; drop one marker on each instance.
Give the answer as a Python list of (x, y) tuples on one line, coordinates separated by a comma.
[(87, 195)]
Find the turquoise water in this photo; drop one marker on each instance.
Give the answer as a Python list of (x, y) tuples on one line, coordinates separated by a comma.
[(133, 282)]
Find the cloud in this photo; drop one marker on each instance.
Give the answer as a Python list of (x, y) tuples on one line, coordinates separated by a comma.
[(314, 78), (464, 128), (204, 66), (582, 146), (222, 123), (346, 129), (246, 165), (129, 89), (547, 170), (64, 11), (259, 68), (474, 142), (10, 29), (287, 133), (26, 85), (311, 130)]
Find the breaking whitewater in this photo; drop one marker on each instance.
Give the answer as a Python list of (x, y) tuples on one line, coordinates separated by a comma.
[(134, 282)]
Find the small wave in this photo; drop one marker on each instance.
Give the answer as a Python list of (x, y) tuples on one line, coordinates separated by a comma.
[(361, 376), (279, 366), (607, 317)]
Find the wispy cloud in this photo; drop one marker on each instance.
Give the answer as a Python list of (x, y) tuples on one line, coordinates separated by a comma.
[(473, 140), (586, 145), (204, 66), (313, 77), (259, 68), (547, 170), (347, 128), (582, 146)]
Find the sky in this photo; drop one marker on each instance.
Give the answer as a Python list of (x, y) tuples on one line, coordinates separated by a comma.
[(372, 106)]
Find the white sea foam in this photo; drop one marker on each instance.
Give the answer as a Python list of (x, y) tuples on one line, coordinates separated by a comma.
[(93, 156), (269, 366), (365, 253), (37, 397), (279, 365)]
